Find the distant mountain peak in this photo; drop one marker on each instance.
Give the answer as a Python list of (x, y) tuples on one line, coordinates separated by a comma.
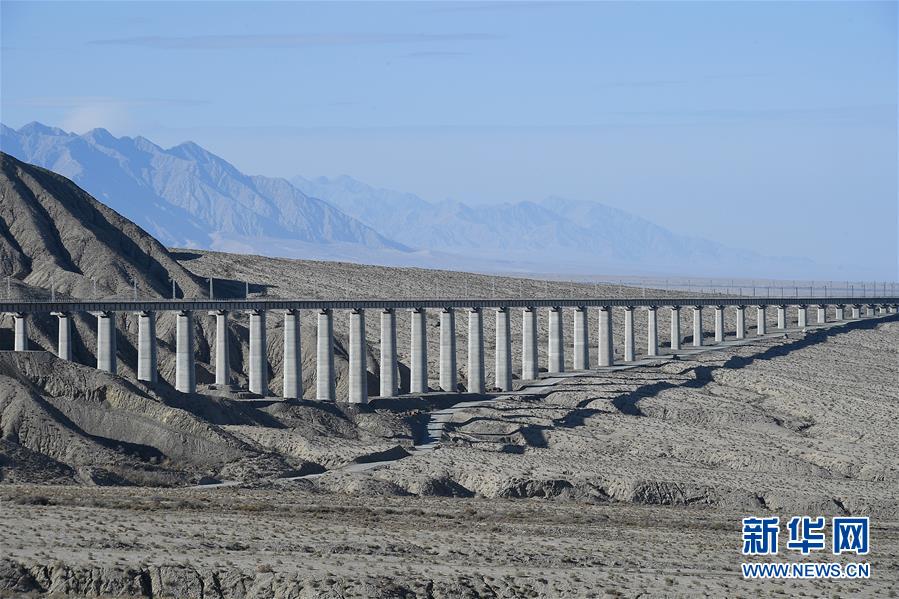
[(190, 149), (143, 143), (186, 195), (101, 135), (35, 128)]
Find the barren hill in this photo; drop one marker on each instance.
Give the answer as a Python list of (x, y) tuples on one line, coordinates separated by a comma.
[(52, 230)]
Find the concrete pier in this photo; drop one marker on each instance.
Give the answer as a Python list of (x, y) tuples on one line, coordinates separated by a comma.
[(222, 348), (292, 384), (782, 317), (822, 314), (258, 365), (840, 313), (476, 382), (185, 369), (629, 334), (581, 339), (856, 312), (106, 342), (606, 347), (869, 310), (675, 328), (418, 366), (64, 335), (20, 324), (325, 382), (761, 322), (697, 326), (389, 380), (146, 347), (358, 375), (652, 332), (448, 351), (503, 350), (719, 324), (741, 322), (556, 344), (802, 316), (530, 368)]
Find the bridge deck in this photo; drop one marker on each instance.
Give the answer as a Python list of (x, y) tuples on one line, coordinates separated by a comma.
[(161, 305)]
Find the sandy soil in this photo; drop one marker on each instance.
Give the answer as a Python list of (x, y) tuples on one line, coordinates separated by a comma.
[(626, 483), (293, 543)]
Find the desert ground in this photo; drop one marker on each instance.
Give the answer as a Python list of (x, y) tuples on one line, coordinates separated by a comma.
[(623, 481), (609, 483)]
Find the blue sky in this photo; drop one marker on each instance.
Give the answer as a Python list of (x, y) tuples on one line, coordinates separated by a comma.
[(768, 126)]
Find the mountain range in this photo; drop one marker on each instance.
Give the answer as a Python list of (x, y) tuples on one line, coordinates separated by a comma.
[(186, 196)]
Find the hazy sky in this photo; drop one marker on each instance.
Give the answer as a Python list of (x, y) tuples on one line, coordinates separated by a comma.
[(769, 126)]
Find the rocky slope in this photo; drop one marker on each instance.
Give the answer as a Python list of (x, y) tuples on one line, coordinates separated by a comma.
[(52, 231), (65, 423)]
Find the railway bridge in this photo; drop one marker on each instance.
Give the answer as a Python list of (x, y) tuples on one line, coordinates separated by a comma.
[(846, 308)]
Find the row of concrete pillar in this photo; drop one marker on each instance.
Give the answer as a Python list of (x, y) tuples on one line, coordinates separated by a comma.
[(185, 371)]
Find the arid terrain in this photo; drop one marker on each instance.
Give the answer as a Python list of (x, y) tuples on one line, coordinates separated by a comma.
[(620, 483), (628, 481)]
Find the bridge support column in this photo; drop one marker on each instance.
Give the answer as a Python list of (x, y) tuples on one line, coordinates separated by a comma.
[(581, 339), (675, 328), (629, 334), (822, 314), (856, 312), (258, 374), (697, 326), (146, 347), (802, 316), (869, 310), (358, 375), (741, 322), (503, 350), (292, 384), (606, 347), (476, 383), (325, 383), (222, 349), (556, 346), (761, 322), (448, 351), (64, 335), (419, 360), (529, 366), (388, 353), (719, 324), (652, 332), (185, 371), (782, 317), (20, 322), (106, 346), (840, 314)]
